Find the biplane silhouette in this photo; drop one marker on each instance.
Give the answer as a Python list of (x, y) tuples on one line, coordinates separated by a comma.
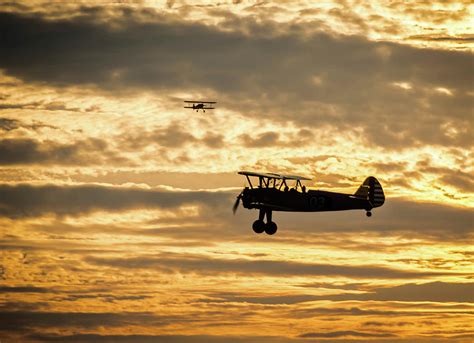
[(200, 105), (274, 194)]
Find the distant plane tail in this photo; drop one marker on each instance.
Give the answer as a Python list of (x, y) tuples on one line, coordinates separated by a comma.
[(371, 190)]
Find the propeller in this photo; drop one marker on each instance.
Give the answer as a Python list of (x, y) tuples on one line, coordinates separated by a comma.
[(237, 202)]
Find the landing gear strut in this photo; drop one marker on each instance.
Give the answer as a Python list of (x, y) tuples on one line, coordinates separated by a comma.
[(259, 225)]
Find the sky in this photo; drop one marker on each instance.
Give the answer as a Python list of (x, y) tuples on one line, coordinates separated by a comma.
[(116, 217)]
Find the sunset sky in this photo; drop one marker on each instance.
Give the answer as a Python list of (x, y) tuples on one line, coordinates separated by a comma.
[(116, 202)]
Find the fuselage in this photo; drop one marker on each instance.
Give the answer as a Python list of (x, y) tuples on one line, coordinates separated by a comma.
[(297, 201)]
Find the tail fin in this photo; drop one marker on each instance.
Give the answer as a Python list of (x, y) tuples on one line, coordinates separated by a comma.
[(371, 190)]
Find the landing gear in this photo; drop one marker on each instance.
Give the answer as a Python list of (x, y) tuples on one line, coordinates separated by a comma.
[(259, 225), (271, 228), (368, 214)]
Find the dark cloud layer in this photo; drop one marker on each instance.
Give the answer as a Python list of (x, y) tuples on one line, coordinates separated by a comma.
[(340, 81), (349, 333), (172, 136), (22, 320), (423, 220), (433, 291), (161, 338), (210, 266), (7, 124), (91, 151), (274, 139), (416, 219), (226, 339), (27, 200), (24, 289)]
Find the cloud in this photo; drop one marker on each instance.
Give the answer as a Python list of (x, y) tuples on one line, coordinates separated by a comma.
[(23, 289), (378, 324), (187, 180), (462, 181), (24, 320), (262, 140), (267, 300), (7, 124), (161, 338), (171, 136), (269, 71), (408, 218), (25, 151), (99, 151), (27, 200), (387, 167), (346, 310), (220, 339), (94, 71), (211, 266), (437, 38), (275, 139), (213, 140), (432, 291), (436, 16), (450, 176), (440, 292), (103, 297), (348, 333)]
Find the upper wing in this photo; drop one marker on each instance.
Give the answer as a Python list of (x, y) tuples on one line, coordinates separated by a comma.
[(200, 102), (273, 175), (293, 177), (267, 175)]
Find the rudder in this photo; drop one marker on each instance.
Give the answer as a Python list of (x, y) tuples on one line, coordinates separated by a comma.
[(371, 190)]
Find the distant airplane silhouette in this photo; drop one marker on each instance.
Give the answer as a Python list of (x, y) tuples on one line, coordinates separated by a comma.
[(269, 196), (200, 105)]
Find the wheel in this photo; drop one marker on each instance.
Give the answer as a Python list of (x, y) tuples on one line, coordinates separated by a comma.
[(271, 228), (258, 226), (368, 214)]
